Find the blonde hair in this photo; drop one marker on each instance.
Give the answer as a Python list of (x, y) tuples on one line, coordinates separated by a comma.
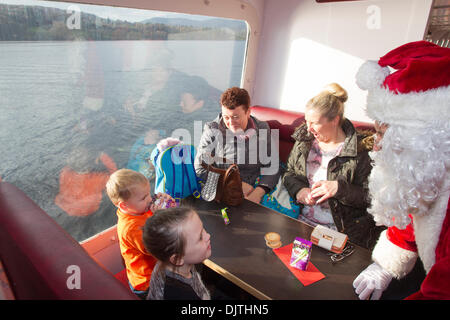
[(120, 183), (330, 102)]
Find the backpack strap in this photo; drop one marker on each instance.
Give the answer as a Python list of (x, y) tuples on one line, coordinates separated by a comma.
[(192, 181), (177, 191), (154, 155), (190, 173), (196, 179)]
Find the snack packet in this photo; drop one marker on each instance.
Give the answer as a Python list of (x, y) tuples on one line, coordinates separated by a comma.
[(301, 252), (162, 204)]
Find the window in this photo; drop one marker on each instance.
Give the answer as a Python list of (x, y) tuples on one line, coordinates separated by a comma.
[(88, 89), (438, 26)]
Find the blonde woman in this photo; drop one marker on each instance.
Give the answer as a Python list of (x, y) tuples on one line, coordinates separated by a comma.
[(328, 168)]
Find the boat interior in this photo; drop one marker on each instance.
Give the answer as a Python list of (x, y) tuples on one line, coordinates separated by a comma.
[(293, 48)]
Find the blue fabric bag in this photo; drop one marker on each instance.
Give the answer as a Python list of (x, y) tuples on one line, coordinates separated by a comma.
[(175, 173)]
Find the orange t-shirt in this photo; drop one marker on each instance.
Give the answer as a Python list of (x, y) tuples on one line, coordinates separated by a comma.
[(138, 262)]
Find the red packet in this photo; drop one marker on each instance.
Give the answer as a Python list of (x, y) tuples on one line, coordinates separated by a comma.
[(307, 277)]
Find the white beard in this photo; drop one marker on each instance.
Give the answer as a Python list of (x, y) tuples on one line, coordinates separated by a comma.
[(408, 173)]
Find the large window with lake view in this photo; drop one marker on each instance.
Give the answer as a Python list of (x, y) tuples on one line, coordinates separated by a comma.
[(85, 90)]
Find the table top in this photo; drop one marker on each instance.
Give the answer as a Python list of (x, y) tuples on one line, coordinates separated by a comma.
[(240, 254)]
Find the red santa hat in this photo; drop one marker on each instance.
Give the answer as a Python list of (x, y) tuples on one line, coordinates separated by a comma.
[(417, 93)]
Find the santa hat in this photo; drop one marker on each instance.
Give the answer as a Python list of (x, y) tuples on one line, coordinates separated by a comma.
[(417, 93)]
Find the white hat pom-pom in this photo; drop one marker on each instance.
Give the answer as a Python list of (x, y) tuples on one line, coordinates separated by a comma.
[(371, 75)]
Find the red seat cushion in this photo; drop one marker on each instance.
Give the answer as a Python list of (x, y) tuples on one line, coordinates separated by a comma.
[(39, 256), (122, 277), (285, 121)]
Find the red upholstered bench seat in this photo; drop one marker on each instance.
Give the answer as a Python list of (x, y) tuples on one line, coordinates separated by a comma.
[(41, 260)]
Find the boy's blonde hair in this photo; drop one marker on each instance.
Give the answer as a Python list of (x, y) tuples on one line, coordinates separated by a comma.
[(120, 183)]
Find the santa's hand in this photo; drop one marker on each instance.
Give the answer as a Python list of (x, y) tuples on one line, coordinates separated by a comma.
[(372, 281)]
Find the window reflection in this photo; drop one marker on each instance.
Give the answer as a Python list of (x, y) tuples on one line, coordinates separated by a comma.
[(78, 103)]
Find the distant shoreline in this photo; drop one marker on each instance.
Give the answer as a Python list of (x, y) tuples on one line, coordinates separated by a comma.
[(52, 24)]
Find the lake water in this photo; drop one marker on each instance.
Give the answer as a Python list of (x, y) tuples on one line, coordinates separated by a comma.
[(63, 104)]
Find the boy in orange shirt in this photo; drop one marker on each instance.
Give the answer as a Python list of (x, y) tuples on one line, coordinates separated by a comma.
[(129, 191)]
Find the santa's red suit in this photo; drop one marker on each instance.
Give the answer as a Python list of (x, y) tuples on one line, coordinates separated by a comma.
[(398, 249), (410, 181)]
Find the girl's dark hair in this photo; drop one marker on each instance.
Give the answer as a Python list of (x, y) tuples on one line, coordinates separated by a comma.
[(162, 234)]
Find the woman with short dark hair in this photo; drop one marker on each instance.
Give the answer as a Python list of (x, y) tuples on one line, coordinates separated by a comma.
[(240, 138)]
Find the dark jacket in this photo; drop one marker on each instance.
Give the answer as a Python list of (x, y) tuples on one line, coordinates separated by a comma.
[(351, 168), (249, 155)]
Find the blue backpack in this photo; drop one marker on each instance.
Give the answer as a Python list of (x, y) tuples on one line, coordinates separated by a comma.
[(175, 173)]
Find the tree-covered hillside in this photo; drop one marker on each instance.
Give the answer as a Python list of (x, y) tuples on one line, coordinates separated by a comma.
[(35, 23)]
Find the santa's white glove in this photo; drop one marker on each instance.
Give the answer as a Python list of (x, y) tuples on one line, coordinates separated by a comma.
[(373, 280)]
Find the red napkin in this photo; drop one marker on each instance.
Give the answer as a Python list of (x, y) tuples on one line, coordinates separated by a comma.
[(310, 275)]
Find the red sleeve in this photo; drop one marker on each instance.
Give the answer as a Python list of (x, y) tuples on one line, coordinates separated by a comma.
[(436, 283), (403, 238)]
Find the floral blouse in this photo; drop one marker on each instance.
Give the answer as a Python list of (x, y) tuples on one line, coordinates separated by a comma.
[(316, 168)]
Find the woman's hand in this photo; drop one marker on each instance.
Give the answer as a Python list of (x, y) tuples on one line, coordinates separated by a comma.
[(324, 190), (246, 189), (304, 197), (256, 195)]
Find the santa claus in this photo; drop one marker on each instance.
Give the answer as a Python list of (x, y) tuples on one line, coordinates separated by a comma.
[(409, 184)]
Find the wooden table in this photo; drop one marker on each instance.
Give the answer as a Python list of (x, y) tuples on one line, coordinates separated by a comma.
[(240, 254)]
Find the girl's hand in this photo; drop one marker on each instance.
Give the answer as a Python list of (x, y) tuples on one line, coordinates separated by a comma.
[(324, 190)]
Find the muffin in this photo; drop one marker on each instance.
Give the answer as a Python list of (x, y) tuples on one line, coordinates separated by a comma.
[(273, 240)]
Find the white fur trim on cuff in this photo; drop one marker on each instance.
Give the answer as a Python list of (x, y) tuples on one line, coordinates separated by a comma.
[(397, 261)]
